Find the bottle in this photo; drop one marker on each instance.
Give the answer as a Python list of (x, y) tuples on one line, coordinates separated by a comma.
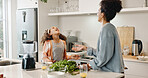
[(145, 3)]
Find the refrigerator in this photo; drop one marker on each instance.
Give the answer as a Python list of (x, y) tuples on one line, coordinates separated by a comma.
[(27, 29)]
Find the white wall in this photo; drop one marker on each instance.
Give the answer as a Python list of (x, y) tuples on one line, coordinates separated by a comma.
[(89, 27), (139, 21), (45, 22)]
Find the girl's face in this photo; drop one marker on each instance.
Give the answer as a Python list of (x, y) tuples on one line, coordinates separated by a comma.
[(54, 31), (100, 15)]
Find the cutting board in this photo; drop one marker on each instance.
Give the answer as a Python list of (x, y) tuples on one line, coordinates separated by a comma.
[(126, 35)]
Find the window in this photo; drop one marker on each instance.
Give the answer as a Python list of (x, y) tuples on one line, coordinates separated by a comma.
[(2, 29)]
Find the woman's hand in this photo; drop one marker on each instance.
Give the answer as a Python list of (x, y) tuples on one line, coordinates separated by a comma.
[(79, 48), (76, 57), (45, 59)]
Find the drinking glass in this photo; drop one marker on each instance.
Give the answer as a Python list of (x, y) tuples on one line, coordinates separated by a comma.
[(125, 50), (83, 71)]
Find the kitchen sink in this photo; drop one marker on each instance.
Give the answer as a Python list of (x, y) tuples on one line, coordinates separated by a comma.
[(8, 62)]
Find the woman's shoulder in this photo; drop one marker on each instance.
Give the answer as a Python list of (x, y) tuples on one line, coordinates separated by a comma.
[(48, 41), (108, 27), (63, 41)]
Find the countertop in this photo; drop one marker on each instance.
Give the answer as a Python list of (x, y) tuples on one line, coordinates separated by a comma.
[(133, 59), (15, 71)]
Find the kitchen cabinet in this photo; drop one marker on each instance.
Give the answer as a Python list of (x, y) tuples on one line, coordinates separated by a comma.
[(27, 4), (134, 6), (133, 76), (134, 3), (88, 5), (136, 69), (74, 7)]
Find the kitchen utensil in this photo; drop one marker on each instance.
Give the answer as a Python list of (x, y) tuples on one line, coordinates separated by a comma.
[(69, 41), (30, 48), (126, 35), (56, 75), (136, 47)]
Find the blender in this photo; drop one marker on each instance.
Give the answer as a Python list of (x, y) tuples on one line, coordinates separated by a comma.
[(30, 48)]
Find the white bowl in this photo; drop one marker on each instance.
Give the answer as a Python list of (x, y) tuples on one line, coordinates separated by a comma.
[(142, 58), (48, 63), (56, 75)]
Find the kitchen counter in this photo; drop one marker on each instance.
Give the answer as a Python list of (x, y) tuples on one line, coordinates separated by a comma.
[(15, 71), (133, 59)]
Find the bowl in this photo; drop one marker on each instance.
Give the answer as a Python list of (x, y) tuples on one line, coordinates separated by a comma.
[(142, 58), (48, 63), (56, 75)]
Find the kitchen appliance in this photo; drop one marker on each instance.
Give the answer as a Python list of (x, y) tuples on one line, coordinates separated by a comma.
[(27, 29), (136, 47), (73, 44), (69, 42), (30, 48)]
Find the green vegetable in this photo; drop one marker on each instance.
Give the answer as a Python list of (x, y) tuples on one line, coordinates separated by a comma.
[(45, 1), (68, 66)]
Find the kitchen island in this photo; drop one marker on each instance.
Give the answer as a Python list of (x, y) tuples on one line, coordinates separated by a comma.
[(15, 71)]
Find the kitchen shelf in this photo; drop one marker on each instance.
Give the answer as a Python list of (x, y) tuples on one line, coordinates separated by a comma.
[(125, 10), (70, 13), (138, 9)]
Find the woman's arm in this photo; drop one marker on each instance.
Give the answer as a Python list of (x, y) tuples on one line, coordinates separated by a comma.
[(91, 51), (46, 49), (106, 49), (65, 54)]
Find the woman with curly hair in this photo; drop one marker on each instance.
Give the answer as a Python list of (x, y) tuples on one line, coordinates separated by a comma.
[(108, 56), (54, 45)]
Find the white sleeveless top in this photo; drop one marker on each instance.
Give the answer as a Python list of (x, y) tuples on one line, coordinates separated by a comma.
[(57, 50)]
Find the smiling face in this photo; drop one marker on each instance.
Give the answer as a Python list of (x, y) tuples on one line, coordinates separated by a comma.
[(54, 31)]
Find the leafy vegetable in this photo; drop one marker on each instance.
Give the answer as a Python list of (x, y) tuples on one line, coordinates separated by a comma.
[(68, 66), (45, 1)]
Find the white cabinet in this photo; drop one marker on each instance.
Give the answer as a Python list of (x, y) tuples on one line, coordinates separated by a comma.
[(134, 3), (74, 7), (27, 4), (88, 5), (136, 69)]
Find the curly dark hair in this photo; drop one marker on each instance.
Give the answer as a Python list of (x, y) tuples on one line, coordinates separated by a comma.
[(46, 37), (110, 8)]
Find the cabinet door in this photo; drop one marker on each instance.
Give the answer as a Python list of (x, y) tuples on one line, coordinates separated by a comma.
[(136, 69), (133, 3), (133, 76), (89, 5), (27, 4)]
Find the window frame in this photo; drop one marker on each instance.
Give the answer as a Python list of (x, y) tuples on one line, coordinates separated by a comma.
[(5, 31)]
